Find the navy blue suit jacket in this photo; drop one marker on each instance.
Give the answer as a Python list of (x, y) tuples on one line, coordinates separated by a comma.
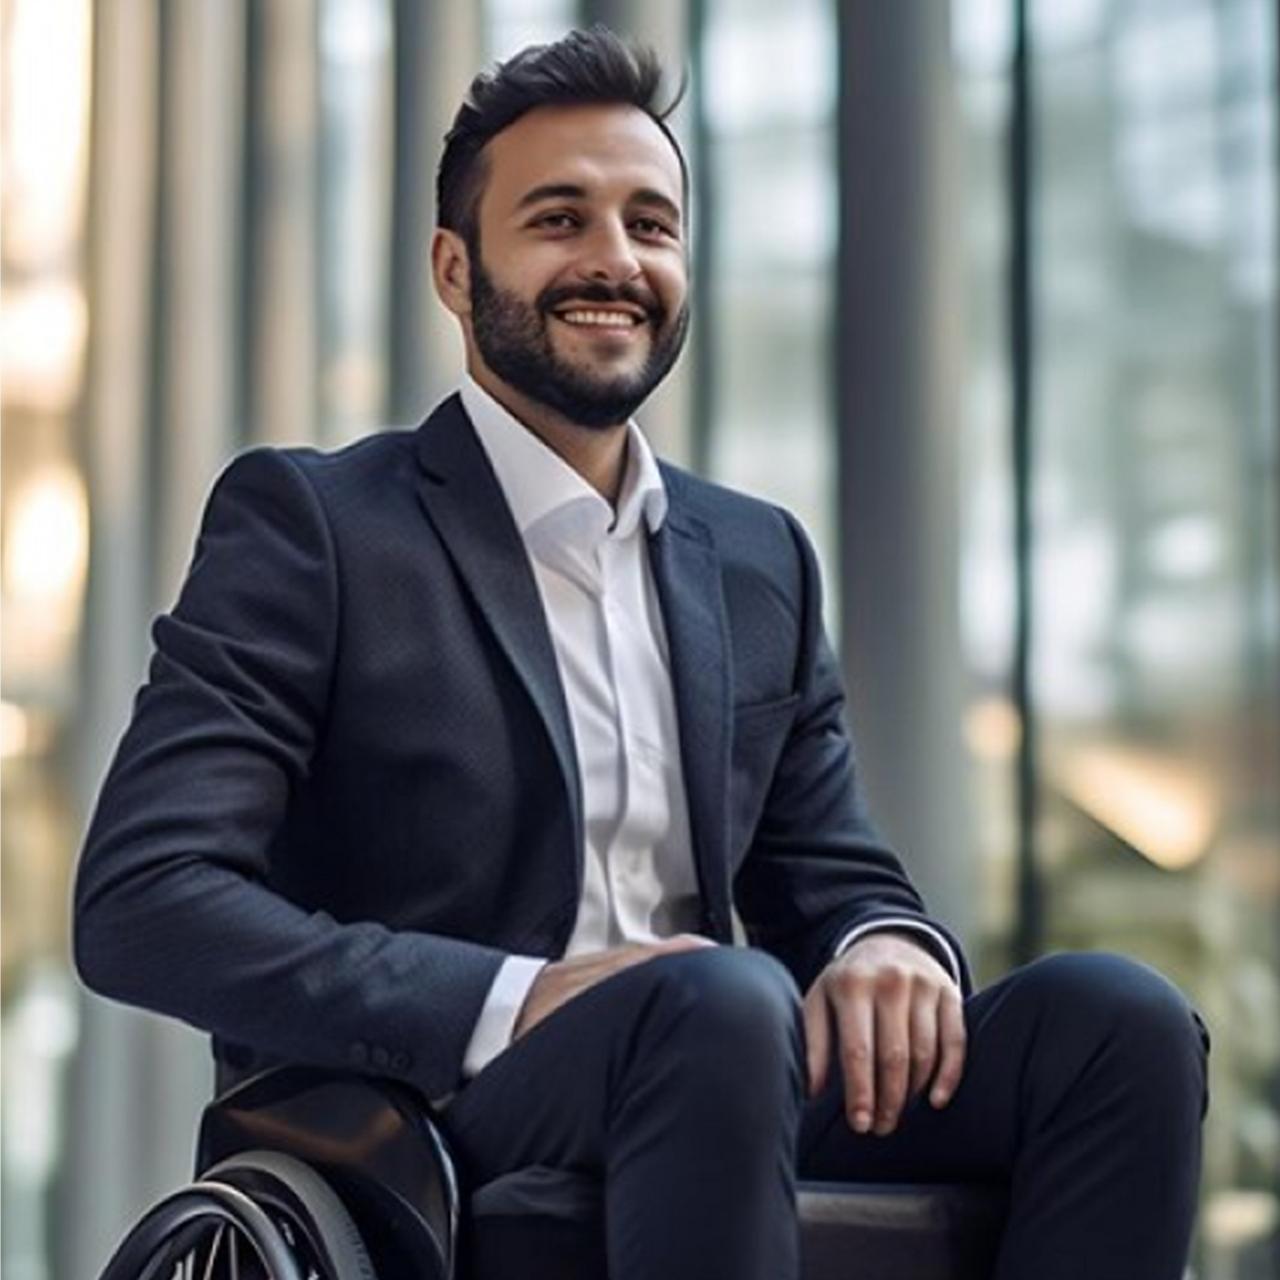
[(349, 787)]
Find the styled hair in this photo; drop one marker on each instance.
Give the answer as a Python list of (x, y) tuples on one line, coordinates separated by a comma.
[(595, 66)]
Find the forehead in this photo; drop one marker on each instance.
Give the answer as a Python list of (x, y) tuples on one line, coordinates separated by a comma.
[(603, 148)]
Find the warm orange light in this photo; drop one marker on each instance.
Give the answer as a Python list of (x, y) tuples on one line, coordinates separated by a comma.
[(1235, 1216), (13, 731), (1161, 807), (42, 336), (46, 549), (46, 75), (993, 729)]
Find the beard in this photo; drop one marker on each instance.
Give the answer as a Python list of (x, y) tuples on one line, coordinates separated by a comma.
[(514, 338)]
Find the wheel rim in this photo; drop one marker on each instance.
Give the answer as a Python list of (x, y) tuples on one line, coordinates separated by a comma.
[(213, 1248), (211, 1229)]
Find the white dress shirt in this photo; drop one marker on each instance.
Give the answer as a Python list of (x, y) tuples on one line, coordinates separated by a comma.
[(592, 569)]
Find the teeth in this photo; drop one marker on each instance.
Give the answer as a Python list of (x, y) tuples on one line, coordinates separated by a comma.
[(613, 318)]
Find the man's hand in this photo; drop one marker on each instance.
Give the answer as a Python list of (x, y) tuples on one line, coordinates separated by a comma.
[(898, 1018), (559, 982)]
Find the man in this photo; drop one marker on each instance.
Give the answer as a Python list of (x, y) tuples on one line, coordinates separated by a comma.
[(461, 745)]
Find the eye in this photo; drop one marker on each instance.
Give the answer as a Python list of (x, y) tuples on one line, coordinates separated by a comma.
[(556, 220), (647, 226)]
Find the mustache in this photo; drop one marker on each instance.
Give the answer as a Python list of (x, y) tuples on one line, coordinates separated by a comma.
[(558, 295)]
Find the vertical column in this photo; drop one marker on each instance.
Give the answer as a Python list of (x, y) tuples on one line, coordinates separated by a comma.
[(354, 204), (200, 195), (438, 48), (1028, 936), (107, 1179), (281, 301), (201, 58), (898, 417)]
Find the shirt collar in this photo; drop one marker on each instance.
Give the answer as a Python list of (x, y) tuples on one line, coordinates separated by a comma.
[(541, 488)]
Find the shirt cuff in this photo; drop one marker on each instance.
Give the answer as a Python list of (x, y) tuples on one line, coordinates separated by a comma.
[(497, 1020), (940, 947)]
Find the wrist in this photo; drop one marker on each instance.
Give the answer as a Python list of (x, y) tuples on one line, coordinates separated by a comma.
[(893, 943)]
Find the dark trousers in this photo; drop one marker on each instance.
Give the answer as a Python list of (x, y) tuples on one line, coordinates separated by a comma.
[(681, 1083)]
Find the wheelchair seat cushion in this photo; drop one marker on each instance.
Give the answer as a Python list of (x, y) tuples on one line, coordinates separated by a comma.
[(548, 1224)]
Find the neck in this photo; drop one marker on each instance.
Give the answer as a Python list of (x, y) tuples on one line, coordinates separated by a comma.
[(597, 454)]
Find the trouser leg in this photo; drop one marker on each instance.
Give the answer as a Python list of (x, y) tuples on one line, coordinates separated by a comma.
[(680, 1080), (1084, 1090)]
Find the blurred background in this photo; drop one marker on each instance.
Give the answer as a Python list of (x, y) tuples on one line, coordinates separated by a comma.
[(986, 293)]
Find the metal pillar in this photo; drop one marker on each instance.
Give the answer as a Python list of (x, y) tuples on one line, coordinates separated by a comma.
[(897, 413)]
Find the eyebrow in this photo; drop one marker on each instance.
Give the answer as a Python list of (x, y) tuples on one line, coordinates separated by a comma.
[(571, 191)]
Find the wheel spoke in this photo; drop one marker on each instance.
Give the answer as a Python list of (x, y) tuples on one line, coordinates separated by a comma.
[(213, 1250)]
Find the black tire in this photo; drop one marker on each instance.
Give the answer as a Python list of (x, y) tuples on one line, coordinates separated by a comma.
[(180, 1221), (298, 1199)]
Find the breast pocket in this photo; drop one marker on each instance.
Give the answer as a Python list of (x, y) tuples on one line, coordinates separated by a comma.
[(760, 732)]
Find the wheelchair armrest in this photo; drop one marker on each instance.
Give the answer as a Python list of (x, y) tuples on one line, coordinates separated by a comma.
[(371, 1138)]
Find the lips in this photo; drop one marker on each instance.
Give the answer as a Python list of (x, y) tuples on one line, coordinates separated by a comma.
[(618, 309)]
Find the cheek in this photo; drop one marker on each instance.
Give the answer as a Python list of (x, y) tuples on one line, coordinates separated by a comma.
[(671, 283), (525, 271)]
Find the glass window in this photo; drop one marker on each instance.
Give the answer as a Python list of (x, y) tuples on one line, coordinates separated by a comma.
[(982, 47), (1155, 489), (512, 24), (1156, 645), (768, 83), (354, 194), (46, 87)]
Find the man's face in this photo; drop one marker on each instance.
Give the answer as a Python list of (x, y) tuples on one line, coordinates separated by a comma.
[(578, 274)]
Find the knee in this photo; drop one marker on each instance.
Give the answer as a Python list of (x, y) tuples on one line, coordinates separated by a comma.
[(1140, 1015), (737, 1001)]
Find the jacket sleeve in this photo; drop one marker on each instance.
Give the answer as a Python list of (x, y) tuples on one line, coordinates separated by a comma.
[(173, 906), (817, 867)]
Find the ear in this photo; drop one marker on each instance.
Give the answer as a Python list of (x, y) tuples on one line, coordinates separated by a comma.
[(451, 270)]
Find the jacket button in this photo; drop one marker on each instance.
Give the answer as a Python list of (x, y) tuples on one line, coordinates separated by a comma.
[(381, 1058), (358, 1054)]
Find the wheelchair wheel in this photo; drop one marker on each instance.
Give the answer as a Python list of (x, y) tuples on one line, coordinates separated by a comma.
[(256, 1216)]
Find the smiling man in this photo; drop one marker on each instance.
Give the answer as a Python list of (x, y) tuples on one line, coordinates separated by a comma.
[(462, 747), (567, 344)]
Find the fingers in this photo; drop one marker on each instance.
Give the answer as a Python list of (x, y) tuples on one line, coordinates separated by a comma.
[(817, 1037), (893, 1047), (604, 964), (683, 942), (900, 1026), (952, 1042), (856, 1024), (638, 952), (562, 980), (924, 1038)]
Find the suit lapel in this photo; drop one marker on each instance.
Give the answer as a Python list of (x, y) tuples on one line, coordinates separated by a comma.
[(463, 501), (686, 570)]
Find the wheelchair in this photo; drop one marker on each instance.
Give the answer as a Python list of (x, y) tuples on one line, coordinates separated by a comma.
[(311, 1174)]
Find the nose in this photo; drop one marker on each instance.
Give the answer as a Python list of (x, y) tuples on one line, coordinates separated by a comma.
[(609, 253)]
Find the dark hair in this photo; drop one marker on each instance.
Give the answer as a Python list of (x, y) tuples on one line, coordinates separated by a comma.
[(595, 66)]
